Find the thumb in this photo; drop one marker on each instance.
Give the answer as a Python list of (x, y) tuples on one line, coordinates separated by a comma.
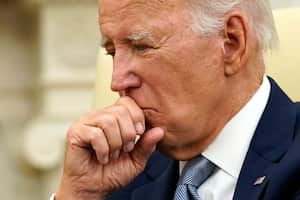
[(146, 145)]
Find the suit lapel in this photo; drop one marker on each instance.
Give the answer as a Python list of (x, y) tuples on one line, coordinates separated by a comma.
[(164, 174), (270, 142)]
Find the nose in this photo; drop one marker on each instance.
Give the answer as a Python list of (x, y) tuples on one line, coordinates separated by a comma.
[(124, 76)]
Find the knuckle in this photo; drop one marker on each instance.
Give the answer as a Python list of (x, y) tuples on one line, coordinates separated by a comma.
[(107, 121), (120, 111), (135, 112), (94, 135), (139, 116), (72, 130), (124, 100)]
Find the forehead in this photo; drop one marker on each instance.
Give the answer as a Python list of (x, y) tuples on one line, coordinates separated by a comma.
[(133, 13), (117, 7)]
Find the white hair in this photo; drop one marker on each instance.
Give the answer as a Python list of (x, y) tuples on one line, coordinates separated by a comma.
[(208, 18)]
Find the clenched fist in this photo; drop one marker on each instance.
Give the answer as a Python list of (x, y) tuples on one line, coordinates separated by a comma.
[(101, 153)]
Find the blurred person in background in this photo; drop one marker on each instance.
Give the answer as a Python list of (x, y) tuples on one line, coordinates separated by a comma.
[(192, 85)]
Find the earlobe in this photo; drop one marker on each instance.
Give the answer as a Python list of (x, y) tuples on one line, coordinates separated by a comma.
[(235, 34)]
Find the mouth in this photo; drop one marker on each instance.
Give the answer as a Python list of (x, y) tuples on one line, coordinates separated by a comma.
[(148, 125), (150, 116), (149, 109)]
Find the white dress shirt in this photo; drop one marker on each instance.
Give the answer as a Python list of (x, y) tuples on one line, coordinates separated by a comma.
[(229, 149)]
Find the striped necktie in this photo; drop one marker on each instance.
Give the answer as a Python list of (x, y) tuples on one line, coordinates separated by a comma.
[(193, 175)]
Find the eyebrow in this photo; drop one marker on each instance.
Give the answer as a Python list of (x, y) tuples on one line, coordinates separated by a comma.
[(140, 36), (132, 38)]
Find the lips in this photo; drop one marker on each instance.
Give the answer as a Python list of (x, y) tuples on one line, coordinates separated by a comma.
[(148, 125), (147, 113), (150, 116), (149, 109)]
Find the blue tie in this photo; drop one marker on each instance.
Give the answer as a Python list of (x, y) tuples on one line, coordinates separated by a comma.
[(193, 175)]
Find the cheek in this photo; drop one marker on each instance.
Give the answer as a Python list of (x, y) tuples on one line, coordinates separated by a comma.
[(205, 68), (160, 72), (181, 80)]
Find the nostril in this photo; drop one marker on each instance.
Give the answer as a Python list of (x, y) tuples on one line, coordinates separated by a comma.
[(122, 93)]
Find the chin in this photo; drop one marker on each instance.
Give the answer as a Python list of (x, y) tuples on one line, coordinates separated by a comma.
[(177, 152)]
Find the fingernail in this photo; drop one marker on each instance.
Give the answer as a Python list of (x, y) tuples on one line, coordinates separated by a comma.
[(116, 155), (129, 147), (139, 128)]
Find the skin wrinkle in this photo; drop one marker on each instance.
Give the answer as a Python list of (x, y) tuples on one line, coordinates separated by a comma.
[(105, 40), (134, 37), (147, 5)]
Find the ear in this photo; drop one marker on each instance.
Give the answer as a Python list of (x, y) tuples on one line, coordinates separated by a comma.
[(235, 41)]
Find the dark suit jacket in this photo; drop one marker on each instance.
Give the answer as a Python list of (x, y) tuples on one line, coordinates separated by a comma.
[(274, 152)]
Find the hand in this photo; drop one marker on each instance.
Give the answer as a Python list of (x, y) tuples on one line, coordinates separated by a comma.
[(101, 154)]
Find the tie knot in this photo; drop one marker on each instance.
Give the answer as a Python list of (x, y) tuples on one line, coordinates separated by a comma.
[(196, 171)]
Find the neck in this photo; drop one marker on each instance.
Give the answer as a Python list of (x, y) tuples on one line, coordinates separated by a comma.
[(240, 89)]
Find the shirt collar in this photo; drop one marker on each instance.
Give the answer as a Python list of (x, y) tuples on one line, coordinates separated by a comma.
[(230, 147)]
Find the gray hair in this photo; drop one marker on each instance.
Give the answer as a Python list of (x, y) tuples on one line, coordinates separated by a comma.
[(208, 18)]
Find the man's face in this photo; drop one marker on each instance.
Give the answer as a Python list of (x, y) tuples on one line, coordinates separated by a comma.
[(174, 75)]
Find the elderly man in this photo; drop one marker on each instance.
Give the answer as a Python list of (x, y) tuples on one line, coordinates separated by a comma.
[(190, 74)]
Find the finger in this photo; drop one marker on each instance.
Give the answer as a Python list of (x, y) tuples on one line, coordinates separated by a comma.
[(88, 136), (109, 125), (135, 111), (127, 129), (146, 146)]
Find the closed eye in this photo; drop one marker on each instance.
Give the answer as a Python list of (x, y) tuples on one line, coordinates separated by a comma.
[(141, 47)]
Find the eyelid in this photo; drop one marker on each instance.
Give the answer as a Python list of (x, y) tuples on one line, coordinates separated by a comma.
[(142, 43), (144, 46)]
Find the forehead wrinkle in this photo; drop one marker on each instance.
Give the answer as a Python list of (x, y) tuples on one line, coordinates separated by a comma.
[(123, 6), (129, 9), (117, 13)]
